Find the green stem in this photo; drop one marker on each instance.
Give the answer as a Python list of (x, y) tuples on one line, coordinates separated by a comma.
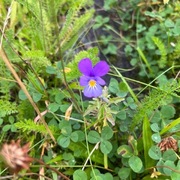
[(127, 85), (105, 161), (144, 59)]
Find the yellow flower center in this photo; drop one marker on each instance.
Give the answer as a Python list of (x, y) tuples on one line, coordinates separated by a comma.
[(92, 83)]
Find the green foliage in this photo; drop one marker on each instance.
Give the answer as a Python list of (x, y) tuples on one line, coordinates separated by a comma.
[(7, 108), (175, 55), (37, 59), (163, 51), (71, 27), (73, 65), (118, 135), (106, 134), (153, 101), (29, 126), (147, 142)]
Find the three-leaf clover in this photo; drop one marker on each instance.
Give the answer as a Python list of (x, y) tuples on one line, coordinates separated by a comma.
[(106, 134)]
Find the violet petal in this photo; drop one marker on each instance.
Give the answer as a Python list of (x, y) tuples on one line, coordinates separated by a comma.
[(100, 81), (101, 68), (92, 91), (84, 80), (85, 66)]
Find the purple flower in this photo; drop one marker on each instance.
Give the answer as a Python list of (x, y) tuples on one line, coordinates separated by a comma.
[(91, 77)]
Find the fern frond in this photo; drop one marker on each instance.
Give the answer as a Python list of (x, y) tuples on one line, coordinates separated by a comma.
[(38, 60), (163, 60), (25, 110), (176, 53), (73, 72), (153, 101), (72, 26), (7, 108), (29, 126)]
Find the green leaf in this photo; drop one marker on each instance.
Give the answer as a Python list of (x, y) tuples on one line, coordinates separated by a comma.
[(155, 127), (170, 125), (74, 136), (156, 117), (124, 173), (108, 176), (108, 4), (168, 112), (169, 155), (53, 107), (95, 172), (123, 89), (13, 128), (113, 86), (147, 142), (65, 127), (155, 153), (6, 127), (11, 119), (111, 49), (176, 175), (135, 163), (97, 178), (63, 141), (36, 96), (21, 95), (169, 23), (1, 121), (107, 133), (131, 103), (121, 115), (125, 151), (81, 135), (156, 137), (79, 175), (50, 70), (171, 166), (93, 137), (105, 147)]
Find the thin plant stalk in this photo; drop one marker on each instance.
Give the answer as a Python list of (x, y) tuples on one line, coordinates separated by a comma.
[(23, 87)]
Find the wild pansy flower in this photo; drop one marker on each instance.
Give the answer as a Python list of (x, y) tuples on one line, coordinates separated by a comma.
[(91, 78)]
